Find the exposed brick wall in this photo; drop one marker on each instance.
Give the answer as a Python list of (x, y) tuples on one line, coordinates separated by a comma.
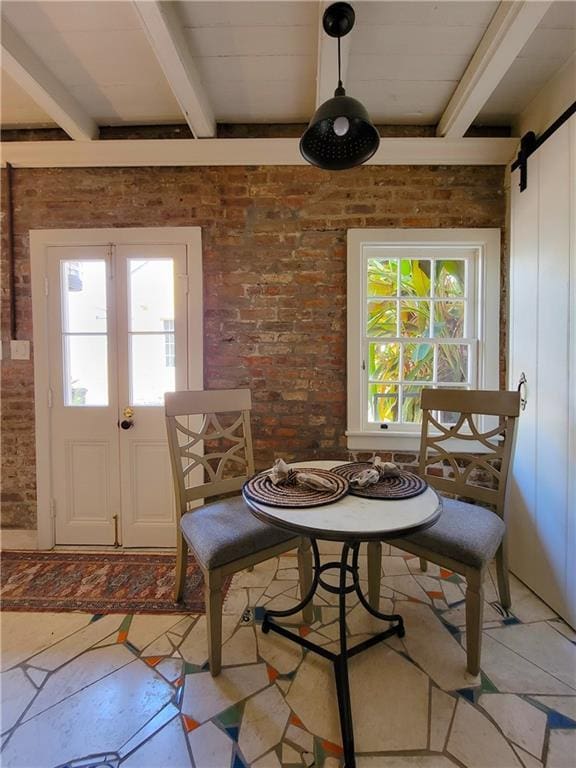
[(274, 243)]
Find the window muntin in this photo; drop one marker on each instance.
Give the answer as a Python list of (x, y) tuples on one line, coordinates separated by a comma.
[(419, 328)]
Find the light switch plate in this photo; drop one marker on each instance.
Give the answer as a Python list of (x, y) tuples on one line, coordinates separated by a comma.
[(20, 350)]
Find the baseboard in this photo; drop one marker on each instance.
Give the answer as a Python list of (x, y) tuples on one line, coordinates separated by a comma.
[(18, 538)]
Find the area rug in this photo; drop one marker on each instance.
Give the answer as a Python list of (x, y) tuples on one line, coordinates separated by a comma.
[(96, 583)]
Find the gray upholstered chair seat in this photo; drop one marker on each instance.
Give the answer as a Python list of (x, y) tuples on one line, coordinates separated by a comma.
[(464, 532), (226, 530)]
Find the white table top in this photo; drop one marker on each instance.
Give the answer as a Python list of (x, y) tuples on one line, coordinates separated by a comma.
[(353, 517)]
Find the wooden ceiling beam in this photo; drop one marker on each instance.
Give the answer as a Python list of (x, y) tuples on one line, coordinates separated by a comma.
[(32, 75), (508, 32), (165, 33), (206, 152)]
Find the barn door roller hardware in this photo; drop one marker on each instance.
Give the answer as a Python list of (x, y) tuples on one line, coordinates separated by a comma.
[(529, 143)]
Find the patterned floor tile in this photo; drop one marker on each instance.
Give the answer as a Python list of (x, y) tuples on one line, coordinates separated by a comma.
[(442, 709), (75, 644), (62, 730), (167, 713), (409, 761), (268, 761), (240, 648), (427, 640), (211, 747), (166, 747), (78, 674), (476, 742), (561, 749), (273, 706), (512, 673), (379, 674), (279, 652), (263, 723), (565, 705), (519, 721), (26, 634), (16, 694), (543, 646), (527, 760), (145, 628), (564, 629), (206, 696)]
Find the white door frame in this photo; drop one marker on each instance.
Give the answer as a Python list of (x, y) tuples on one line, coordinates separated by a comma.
[(40, 240)]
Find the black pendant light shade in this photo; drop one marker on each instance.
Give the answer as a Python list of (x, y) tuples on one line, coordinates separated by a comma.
[(340, 135)]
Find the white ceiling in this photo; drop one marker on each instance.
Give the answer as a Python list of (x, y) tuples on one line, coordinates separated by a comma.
[(257, 60)]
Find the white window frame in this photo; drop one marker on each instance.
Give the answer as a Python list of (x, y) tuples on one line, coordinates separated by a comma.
[(484, 325)]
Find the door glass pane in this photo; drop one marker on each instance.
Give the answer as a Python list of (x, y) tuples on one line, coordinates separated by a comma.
[(152, 375), (83, 290), (85, 370), (151, 287), (152, 336), (84, 329)]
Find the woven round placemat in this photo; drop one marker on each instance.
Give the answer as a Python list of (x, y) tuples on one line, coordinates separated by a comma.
[(402, 486), (261, 488)]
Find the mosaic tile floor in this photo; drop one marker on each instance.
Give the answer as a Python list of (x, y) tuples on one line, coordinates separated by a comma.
[(135, 691)]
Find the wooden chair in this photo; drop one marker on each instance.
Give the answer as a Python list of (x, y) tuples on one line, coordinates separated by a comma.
[(467, 535), (223, 535)]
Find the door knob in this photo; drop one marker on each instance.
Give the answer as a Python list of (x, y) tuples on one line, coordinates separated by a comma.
[(127, 421)]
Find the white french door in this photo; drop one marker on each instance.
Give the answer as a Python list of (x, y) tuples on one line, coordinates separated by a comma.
[(118, 337)]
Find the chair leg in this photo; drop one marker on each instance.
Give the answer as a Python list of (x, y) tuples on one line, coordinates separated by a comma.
[(181, 563), (423, 564), (213, 598), (502, 575), (474, 611), (305, 573), (374, 573)]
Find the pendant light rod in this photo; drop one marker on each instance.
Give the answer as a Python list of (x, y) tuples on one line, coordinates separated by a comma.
[(339, 66)]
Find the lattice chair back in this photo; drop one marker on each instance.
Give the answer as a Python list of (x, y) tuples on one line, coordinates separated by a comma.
[(209, 430), (480, 476)]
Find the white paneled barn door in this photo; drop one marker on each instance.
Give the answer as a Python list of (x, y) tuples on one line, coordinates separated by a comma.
[(542, 522), (119, 335)]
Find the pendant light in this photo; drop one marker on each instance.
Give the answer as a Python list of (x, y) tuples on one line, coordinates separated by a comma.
[(340, 135)]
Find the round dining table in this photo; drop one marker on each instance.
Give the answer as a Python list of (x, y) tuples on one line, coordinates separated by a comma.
[(351, 520)]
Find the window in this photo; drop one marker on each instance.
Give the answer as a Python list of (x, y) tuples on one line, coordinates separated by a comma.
[(423, 311)]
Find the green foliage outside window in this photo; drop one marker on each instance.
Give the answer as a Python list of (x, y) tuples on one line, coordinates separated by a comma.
[(416, 313)]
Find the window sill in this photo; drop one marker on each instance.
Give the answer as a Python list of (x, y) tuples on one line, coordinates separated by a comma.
[(383, 441), (406, 441)]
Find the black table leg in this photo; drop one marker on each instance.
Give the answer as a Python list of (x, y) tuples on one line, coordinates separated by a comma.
[(341, 670), (340, 660)]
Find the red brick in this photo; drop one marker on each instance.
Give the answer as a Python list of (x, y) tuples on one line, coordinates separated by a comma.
[(274, 259)]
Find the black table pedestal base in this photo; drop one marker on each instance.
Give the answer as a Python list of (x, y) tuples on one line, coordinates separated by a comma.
[(340, 660)]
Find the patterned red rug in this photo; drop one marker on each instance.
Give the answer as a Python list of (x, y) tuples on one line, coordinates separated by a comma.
[(96, 583)]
